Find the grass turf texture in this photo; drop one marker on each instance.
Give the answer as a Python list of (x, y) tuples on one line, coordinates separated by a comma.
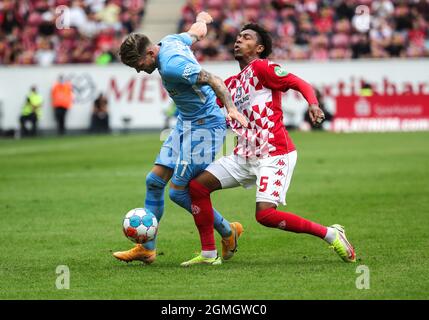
[(62, 202)]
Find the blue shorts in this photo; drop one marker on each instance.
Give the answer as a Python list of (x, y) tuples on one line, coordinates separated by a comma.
[(188, 151)]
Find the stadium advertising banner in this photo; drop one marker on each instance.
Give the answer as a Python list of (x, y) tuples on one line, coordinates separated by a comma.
[(382, 113), (134, 100), (400, 90)]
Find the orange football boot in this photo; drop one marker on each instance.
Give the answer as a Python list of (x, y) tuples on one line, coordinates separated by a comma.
[(229, 244), (137, 253)]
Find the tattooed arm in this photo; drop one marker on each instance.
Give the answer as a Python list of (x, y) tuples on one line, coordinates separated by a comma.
[(222, 92)]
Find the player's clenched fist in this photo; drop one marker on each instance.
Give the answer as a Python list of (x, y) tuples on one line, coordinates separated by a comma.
[(204, 17), (316, 114), (236, 115)]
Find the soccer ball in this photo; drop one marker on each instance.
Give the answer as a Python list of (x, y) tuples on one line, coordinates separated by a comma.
[(140, 225)]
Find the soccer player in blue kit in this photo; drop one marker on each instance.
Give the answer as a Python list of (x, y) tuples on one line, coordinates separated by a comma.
[(199, 132)]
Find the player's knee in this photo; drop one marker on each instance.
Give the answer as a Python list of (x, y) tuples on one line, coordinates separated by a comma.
[(179, 197), (197, 190), (173, 194), (154, 183), (262, 216)]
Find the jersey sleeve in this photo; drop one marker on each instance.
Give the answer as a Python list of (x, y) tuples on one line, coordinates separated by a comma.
[(182, 37), (180, 69), (185, 38), (275, 77)]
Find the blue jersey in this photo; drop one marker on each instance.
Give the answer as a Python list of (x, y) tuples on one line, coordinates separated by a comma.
[(179, 71)]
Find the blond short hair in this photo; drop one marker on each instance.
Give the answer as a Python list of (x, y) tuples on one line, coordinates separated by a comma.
[(133, 49)]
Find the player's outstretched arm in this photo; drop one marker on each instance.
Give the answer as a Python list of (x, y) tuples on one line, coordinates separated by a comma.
[(296, 83), (316, 114), (199, 29), (222, 92)]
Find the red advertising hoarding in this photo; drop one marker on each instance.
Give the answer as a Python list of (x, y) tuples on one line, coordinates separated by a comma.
[(382, 113)]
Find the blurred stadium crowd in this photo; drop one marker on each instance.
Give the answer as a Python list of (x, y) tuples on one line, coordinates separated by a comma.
[(36, 32), (317, 29), (302, 29)]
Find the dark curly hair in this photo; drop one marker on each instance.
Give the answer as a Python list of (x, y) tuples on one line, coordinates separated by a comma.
[(264, 38)]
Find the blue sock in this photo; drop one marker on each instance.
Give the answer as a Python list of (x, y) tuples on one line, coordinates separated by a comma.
[(182, 198), (154, 200), (221, 225)]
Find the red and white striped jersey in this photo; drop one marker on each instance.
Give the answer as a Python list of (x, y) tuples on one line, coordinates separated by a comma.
[(256, 92)]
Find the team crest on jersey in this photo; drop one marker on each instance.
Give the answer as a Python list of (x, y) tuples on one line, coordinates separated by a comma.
[(280, 71), (248, 75), (187, 71), (239, 93), (181, 46)]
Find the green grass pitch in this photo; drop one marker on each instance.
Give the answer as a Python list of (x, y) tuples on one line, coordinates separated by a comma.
[(62, 202)]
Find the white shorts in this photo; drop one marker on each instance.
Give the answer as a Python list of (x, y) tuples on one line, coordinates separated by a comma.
[(272, 175)]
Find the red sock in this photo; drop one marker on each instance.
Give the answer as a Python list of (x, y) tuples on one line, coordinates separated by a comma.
[(288, 221), (202, 211)]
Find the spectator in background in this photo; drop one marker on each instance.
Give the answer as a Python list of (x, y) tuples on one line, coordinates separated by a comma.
[(110, 14), (319, 29), (100, 116), (29, 35), (361, 46), (396, 47), (305, 29), (383, 8), (5, 51), (105, 45), (62, 98), (45, 55), (78, 17), (31, 113)]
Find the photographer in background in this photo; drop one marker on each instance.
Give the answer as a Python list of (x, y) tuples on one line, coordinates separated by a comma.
[(100, 116)]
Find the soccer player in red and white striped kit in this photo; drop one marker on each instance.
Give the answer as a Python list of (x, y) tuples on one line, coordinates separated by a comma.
[(264, 154)]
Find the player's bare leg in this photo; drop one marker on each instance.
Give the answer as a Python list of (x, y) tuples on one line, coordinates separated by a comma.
[(155, 184), (268, 215)]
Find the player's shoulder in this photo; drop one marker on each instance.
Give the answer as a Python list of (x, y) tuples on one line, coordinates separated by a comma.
[(228, 80), (259, 64), (178, 67), (269, 67), (264, 64), (183, 37), (174, 59)]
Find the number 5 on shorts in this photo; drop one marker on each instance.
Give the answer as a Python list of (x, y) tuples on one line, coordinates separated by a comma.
[(263, 183)]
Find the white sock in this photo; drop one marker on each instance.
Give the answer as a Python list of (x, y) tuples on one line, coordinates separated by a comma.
[(209, 253), (330, 235)]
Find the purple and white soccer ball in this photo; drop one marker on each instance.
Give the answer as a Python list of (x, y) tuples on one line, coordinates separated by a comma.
[(140, 225)]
